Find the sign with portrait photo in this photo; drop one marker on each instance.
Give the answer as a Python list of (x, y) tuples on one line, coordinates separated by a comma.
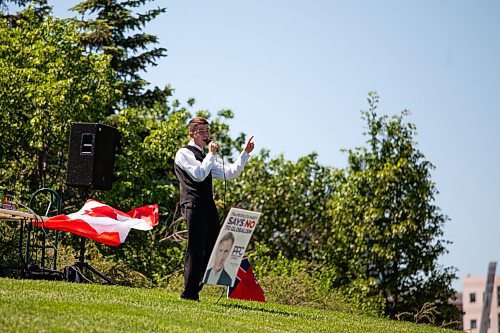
[(230, 247)]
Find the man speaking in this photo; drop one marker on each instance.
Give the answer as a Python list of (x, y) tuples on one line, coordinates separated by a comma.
[(195, 170)]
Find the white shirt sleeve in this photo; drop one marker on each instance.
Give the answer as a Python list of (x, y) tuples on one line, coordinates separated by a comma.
[(197, 170), (231, 171)]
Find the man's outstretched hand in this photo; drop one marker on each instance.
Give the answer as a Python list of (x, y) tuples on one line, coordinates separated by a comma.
[(250, 145)]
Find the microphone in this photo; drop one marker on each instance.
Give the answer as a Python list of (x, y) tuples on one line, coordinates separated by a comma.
[(207, 141)]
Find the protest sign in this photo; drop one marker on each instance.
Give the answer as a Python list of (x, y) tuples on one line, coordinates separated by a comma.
[(230, 247)]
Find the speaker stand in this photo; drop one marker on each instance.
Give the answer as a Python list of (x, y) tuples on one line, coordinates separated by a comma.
[(74, 273)]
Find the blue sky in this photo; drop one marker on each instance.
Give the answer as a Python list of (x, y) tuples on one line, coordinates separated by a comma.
[(297, 73)]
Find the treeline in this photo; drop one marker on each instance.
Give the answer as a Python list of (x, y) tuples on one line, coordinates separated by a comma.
[(369, 234)]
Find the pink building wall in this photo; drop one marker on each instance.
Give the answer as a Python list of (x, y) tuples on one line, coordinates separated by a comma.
[(472, 303)]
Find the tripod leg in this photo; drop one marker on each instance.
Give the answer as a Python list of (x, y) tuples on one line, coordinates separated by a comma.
[(74, 273), (99, 274)]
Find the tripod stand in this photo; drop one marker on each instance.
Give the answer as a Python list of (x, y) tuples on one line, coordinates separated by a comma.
[(74, 273)]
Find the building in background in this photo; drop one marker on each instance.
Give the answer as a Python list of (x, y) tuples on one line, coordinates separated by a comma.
[(472, 304)]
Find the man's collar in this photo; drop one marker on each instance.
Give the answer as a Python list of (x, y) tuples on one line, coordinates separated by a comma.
[(192, 143)]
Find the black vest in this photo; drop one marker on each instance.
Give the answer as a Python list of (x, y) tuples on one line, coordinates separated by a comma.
[(191, 190)]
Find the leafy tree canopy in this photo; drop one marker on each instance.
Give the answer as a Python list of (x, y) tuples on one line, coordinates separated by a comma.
[(292, 197), (110, 27), (47, 81), (386, 230)]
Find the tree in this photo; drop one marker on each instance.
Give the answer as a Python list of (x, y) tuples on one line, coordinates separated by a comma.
[(292, 197), (386, 231), (47, 81), (39, 7), (110, 32), (3, 3)]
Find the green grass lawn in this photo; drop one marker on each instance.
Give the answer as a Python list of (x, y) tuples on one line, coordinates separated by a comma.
[(48, 306)]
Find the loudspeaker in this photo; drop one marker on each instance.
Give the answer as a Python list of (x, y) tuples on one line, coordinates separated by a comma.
[(91, 155)]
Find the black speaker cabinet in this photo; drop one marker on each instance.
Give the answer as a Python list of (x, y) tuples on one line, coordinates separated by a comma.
[(91, 155)]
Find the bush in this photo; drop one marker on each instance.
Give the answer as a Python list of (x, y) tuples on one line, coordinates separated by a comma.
[(298, 282)]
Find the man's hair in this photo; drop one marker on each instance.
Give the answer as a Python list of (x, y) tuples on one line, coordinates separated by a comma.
[(195, 122), (227, 236)]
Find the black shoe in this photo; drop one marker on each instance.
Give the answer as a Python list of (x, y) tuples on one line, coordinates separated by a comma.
[(189, 298)]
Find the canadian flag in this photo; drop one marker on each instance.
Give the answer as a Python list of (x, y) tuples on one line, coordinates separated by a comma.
[(104, 223)]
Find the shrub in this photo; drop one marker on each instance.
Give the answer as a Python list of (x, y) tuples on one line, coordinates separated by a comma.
[(298, 282)]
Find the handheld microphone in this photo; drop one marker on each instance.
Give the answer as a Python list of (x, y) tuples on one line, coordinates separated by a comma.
[(207, 142)]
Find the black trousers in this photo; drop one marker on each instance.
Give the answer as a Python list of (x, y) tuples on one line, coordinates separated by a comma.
[(203, 229)]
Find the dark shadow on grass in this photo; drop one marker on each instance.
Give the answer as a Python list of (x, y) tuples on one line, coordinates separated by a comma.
[(250, 308)]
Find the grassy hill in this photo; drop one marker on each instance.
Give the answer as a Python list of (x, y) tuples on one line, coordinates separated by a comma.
[(48, 306)]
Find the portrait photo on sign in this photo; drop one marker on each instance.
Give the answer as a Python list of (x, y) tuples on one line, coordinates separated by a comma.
[(216, 273)]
